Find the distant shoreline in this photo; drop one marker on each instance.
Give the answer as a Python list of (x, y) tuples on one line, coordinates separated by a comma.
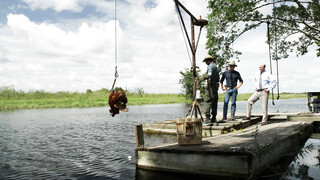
[(13, 100)]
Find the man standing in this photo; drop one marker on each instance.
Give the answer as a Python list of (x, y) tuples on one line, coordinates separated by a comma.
[(264, 83), (231, 89), (211, 94)]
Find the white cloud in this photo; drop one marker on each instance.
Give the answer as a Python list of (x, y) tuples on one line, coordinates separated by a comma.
[(68, 5), (45, 54), (157, 46), (151, 50), (57, 5)]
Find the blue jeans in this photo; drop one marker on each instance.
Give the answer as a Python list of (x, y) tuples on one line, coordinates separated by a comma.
[(230, 92)]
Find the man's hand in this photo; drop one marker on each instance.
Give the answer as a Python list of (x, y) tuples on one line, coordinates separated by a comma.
[(223, 87), (239, 85)]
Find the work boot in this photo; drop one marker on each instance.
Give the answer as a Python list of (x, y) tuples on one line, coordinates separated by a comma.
[(223, 120), (263, 123), (213, 119), (207, 122)]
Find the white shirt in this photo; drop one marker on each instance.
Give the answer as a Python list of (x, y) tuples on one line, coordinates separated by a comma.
[(268, 81)]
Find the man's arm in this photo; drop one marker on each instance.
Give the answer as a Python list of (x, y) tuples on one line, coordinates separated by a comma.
[(204, 78), (240, 81), (239, 85), (221, 85), (221, 82), (272, 83)]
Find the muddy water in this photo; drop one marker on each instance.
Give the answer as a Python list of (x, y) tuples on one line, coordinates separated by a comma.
[(88, 143)]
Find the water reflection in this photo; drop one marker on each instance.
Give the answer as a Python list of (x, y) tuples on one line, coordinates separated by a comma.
[(88, 144), (306, 163)]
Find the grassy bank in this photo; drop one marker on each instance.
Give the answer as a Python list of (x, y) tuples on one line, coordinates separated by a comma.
[(245, 97), (11, 99)]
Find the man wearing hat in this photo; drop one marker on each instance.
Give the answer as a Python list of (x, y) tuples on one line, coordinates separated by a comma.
[(231, 76), (211, 94)]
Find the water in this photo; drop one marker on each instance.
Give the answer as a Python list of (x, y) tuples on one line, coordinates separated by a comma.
[(307, 165), (89, 144)]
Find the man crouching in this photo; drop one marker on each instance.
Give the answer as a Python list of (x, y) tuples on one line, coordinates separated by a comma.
[(117, 101)]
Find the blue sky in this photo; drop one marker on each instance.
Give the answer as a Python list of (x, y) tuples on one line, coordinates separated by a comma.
[(68, 45), (48, 14)]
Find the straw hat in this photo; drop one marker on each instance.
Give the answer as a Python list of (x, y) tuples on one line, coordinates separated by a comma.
[(232, 63), (208, 57)]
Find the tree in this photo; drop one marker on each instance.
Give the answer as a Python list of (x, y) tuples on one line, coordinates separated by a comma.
[(88, 91), (187, 83), (318, 54), (293, 24), (140, 91)]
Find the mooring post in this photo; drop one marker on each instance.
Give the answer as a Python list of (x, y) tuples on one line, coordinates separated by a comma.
[(139, 135)]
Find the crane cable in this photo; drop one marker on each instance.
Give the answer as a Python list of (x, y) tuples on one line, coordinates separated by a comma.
[(276, 51), (268, 32), (276, 54), (184, 38), (116, 74)]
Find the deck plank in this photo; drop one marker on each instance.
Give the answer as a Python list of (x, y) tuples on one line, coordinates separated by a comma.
[(224, 142), (169, 127)]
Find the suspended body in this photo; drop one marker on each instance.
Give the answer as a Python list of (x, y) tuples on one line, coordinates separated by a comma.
[(117, 101), (117, 98)]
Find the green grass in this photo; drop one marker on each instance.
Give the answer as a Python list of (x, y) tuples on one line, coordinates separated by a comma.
[(11, 99), (156, 99), (245, 97)]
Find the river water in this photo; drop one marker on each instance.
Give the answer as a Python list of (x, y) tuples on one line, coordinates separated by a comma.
[(86, 143)]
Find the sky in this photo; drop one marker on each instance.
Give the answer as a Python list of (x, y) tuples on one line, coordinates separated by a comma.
[(69, 45)]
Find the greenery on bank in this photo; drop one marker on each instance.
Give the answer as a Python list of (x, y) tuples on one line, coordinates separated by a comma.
[(285, 95), (11, 99)]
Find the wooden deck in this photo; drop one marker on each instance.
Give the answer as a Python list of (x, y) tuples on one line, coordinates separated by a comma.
[(237, 154), (169, 127)]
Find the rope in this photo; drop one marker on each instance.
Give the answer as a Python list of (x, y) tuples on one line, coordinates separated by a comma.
[(269, 47), (276, 44), (268, 31), (184, 38), (278, 79), (116, 75)]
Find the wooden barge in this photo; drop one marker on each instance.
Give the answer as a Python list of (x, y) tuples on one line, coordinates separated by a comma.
[(241, 154)]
